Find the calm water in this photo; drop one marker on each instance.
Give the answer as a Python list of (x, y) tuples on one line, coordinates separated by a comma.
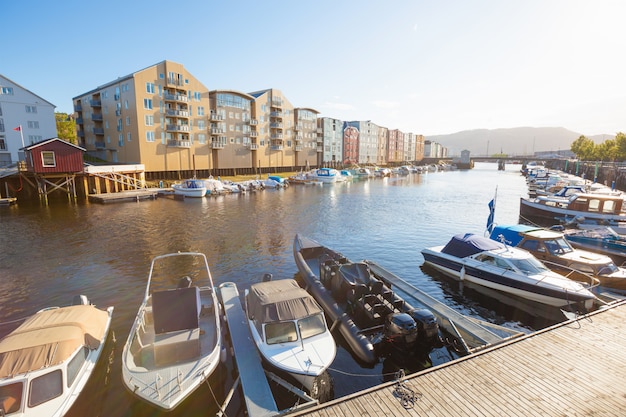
[(48, 254)]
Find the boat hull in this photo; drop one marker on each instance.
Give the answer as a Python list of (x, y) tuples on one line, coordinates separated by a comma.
[(551, 214), (460, 269)]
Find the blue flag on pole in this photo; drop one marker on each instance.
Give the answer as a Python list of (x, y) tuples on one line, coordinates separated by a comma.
[(492, 212)]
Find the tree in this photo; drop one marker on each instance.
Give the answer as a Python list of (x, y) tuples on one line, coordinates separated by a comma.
[(606, 151), (584, 148), (620, 146), (66, 128)]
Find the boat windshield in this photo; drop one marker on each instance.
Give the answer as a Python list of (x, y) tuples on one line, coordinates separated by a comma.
[(558, 246), (280, 332), (312, 326), (529, 266), (608, 269), (10, 398)]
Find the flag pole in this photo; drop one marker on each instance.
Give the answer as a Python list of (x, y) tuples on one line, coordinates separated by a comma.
[(22, 136)]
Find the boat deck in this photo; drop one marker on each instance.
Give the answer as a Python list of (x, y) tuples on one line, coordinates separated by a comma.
[(256, 390), (574, 368)]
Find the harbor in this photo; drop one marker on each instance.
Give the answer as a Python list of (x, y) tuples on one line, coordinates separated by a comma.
[(386, 221)]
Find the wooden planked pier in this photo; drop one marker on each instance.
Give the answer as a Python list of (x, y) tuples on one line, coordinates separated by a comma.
[(577, 367)]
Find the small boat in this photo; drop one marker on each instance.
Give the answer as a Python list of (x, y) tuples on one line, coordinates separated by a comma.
[(275, 181), (483, 261), (552, 248), (190, 188), (604, 240), (46, 362), (289, 329), (326, 175), (374, 320), (175, 342), (363, 173), (599, 208)]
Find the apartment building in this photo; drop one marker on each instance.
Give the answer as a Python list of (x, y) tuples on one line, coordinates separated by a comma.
[(157, 116), (331, 133), (383, 146), (25, 119)]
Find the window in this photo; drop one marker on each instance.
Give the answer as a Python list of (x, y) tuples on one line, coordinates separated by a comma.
[(150, 88), (47, 159), (31, 109), (149, 120), (311, 326), (45, 388), (7, 91), (149, 136), (200, 111), (127, 120), (120, 140), (128, 136), (202, 138), (73, 367), (33, 124), (3, 144), (147, 103), (280, 332), (12, 397)]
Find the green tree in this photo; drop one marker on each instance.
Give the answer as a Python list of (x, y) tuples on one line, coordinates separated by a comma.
[(584, 148), (66, 127), (606, 151), (620, 145)]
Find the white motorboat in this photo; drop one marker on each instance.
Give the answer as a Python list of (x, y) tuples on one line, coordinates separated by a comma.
[(175, 342), (289, 329), (46, 362), (508, 269), (326, 175), (190, 188)]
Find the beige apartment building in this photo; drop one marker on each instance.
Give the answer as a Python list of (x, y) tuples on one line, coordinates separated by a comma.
[(157, 116)]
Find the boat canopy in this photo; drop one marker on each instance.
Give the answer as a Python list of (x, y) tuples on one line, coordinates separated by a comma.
[(356, 273), (470, 244), (50, 337), (280, 300), (512, 234)]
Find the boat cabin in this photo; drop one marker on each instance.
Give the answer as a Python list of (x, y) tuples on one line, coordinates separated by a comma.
[(590, 203)]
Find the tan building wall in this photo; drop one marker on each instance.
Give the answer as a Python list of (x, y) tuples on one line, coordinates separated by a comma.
[(157, 116)]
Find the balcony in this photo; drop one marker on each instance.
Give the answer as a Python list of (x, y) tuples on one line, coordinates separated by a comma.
[(254, 122), (276, 125), (277, 101), (98, 131), (254, 134), (177, 128), (276, 147), (297, 127), (79, 121), (95, 103), (176, 97), (96, 117), (277, 114), (214, 117), (100, 145), (320, 149), (173, 143), (252, 146), (298, 148), (78, 107), (278, 136), (177, 113), (218, 144), (216, 131), (80, 134), (118, 112)]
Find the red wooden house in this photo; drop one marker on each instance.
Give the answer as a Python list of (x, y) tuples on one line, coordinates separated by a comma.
[(53, 164), (54, 156)]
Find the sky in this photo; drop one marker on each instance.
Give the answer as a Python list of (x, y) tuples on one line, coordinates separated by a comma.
[(426, 67)]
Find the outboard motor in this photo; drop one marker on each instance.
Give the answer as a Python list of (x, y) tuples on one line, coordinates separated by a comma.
[(80, 300), (426, 323), (400, 331)]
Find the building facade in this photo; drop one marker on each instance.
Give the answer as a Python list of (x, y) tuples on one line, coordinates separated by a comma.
[(157, 116), (331, 132), (25, 119)]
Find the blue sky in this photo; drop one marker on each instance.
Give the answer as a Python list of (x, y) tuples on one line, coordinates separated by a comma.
[(427, 67)]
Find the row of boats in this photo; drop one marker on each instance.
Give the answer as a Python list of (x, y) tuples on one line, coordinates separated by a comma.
[(195, 187), (176, 340)]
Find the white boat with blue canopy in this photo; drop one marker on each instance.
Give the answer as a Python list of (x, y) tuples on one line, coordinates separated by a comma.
[(483, 261)]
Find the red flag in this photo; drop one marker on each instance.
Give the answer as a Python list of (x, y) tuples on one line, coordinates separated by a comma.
[(18, 128)]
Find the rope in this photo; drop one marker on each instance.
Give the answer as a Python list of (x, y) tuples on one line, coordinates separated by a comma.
[(222, 411), (405, 394), (361, 375)]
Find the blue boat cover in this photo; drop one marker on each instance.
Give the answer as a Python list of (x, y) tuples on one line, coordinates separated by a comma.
[(512, 233), (469, 244)]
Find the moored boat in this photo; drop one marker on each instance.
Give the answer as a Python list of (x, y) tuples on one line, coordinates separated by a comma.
[(552, 248), (598, 208), (190, 188), (483, 261), (289, 329), (175, 342), (604, 240), (46, 362), (326, 175), (374, 320)]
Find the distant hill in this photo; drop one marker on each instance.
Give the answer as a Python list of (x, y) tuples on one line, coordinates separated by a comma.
[(514, 141)]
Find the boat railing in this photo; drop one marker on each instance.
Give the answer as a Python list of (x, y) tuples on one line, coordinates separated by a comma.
[(588, 280)]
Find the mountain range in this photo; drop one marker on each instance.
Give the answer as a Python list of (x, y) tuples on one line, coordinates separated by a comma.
[(512, 142)]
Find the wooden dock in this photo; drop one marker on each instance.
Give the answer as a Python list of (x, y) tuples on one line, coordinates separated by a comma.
[(122, 196), (575, 368)]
